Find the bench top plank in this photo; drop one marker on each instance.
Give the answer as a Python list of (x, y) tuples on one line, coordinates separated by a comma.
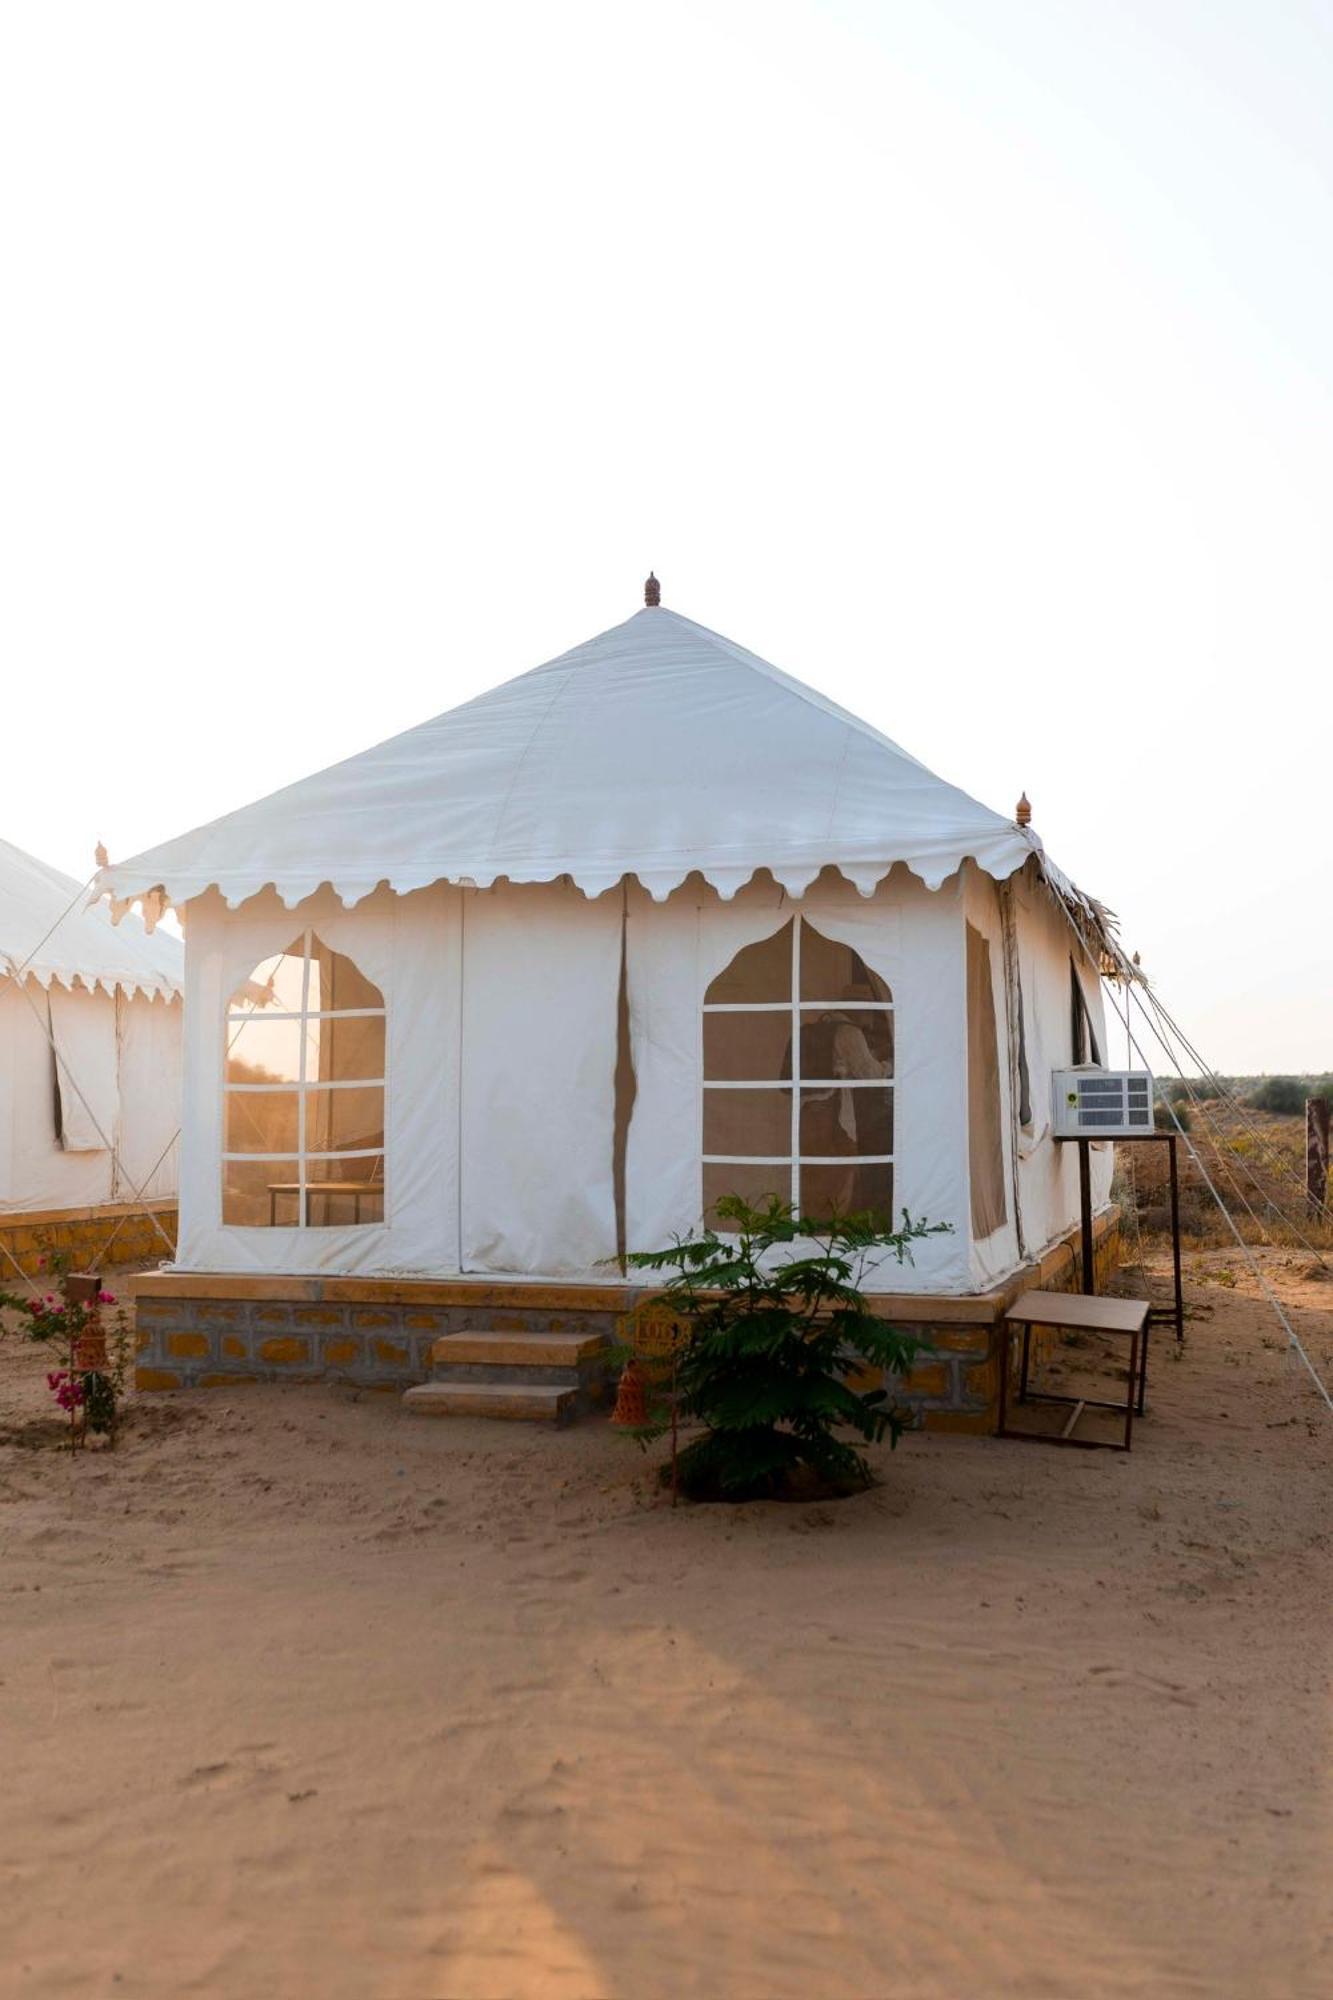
[(1075, 1309)]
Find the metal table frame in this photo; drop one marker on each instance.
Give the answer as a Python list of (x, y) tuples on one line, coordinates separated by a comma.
[(1044, 1309)]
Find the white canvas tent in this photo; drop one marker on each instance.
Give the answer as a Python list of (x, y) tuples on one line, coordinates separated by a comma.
[(541, 978), (90, 1037)]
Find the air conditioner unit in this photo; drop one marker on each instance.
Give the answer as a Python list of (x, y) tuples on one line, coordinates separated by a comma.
[(1091, 1103)]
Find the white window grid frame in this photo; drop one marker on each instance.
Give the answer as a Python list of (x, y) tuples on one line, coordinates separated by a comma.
[(795, 1007), (302, 1085)]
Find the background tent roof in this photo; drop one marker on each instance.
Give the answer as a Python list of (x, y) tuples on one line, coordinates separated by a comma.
[(47, 934), (655, 749)]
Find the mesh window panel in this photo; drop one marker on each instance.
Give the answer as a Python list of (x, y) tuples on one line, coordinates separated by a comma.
[(739, 1048), (351, 1050), (261, 1121), (343, 1048), (856, 1188), (837, 1120), (749, 1122), (753, 1184), (256, 1193), (342, 1121), (832, 971), (759, 972), (275, 984), (839, 1043), (336, 982), (260, 1051)]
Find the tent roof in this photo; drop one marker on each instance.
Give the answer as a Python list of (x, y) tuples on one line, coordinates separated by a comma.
[(46, 934), (656, 749)]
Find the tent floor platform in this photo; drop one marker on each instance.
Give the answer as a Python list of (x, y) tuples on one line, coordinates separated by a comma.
[(104, 1235), (221, 1329)]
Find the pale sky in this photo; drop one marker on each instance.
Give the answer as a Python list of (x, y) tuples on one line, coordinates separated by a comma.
[(968, 360)]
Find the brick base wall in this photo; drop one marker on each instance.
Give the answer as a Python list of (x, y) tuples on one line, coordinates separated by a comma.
[(188, 1342), (213, 1331), (85, 1233)]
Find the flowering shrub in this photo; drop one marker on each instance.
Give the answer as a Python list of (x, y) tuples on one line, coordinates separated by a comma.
[(90, 1385)]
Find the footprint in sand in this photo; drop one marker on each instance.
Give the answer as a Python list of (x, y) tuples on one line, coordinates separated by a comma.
[(225, 1776)]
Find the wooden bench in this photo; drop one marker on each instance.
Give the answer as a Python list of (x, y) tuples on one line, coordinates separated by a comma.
[(1092, 1315)]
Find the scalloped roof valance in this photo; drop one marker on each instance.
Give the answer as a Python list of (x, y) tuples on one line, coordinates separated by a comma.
[(48, 934), (657, 749)]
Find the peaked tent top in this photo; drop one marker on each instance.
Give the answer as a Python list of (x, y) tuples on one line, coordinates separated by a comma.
[(47, 933), (656, 749)]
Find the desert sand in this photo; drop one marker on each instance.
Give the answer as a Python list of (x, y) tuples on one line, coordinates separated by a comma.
[(304, 1696)]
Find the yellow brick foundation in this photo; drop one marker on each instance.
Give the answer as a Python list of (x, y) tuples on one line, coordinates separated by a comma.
[(115, 1233), (205, 1330)]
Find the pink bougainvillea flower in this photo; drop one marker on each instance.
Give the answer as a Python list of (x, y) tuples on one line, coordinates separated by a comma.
[(106, 1298), (68, 1389)]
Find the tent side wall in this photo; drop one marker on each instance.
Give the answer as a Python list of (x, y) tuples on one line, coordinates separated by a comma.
[(501, 1098), (540, 988), (41, 1174), (501, 1070), (120, 1096), (409, 946), (148, 1036), (1048, 1171), (907, 935)]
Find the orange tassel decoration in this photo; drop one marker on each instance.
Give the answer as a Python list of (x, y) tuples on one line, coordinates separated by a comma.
[(631, 1409)]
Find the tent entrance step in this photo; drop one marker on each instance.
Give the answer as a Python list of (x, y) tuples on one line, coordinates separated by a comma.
[(482, 1347), (523, 1376), (518, 1402)]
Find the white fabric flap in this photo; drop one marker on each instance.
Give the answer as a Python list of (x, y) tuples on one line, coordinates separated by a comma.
[(83, 1036)]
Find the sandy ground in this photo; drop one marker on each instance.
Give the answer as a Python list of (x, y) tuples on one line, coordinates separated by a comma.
[(303, 1696)]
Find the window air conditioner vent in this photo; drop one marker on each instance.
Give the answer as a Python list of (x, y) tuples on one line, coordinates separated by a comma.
[(1093, 1103)]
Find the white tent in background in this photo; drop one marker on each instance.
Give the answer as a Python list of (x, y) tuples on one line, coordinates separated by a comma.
[(90, 1037), (542, 978)]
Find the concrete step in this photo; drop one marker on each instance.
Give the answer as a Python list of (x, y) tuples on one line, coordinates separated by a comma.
[(506, 1371), (480, 1347), (519, 1401)]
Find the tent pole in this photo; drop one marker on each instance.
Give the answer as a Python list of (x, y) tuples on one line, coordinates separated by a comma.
[(1175, 1239)]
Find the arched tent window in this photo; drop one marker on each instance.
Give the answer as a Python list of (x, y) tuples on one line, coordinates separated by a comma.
[(303, 1126), (798, 1078)]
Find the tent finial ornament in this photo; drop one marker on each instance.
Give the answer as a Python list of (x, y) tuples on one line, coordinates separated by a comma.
[(1023, 811), (652, 591), (100, 855)]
